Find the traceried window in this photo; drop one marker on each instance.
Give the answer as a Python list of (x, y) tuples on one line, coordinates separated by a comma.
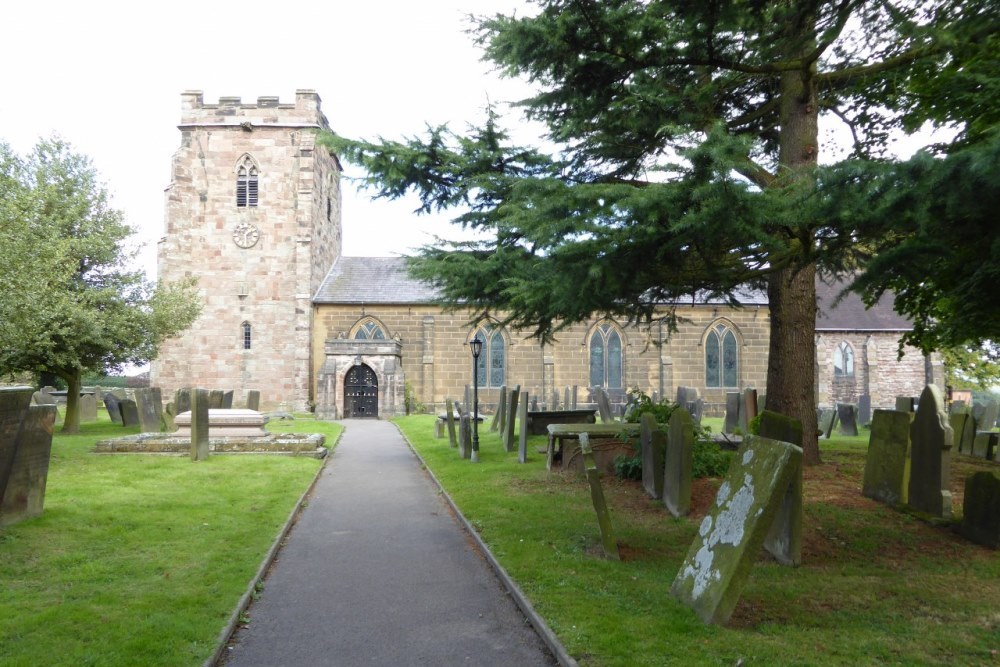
[(843, 361), (369, 330), (493, 358), (606, 357), (246, 183), (722, 360), (246, 335)]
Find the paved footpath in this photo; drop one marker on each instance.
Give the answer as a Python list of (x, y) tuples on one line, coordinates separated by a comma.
[(377, 571)]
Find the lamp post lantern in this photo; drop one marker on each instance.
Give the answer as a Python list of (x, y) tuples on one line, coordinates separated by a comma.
[(477, 347)]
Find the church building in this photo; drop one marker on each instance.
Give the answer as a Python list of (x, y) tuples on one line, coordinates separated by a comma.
[(253, 212)]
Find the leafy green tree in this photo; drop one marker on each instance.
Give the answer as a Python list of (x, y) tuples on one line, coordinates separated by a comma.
[(687, 147), (68, 301)]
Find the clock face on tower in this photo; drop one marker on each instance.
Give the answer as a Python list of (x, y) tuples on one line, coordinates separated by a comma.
[(245, 235)]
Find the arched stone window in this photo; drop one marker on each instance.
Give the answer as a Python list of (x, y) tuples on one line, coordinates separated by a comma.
[(246, 182), (606, 360), (722, 356), (368, 329), (843, 360), (246, 335), (491, 369)]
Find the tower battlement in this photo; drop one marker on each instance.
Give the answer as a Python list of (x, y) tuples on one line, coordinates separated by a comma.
[(306, 111)]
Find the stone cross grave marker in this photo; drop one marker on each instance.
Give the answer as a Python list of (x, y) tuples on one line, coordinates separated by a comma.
[(732, 421), (111, 404), (748, 408), (678, 462), (500, 417), (654, 448), (199, 424), (608, 542), (522, 419), (130, 412), (88, 407), (450, 411), (981, 509), (508, 434), (847, 415), (14, 404), (887, 465), (931, 441), (253, 400), (730, 536), (784, 540), (24, 495)]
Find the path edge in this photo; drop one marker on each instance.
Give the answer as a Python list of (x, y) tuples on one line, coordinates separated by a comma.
[(520, 599), (244, 602)]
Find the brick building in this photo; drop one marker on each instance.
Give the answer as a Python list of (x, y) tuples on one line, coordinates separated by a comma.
[(253, 212)]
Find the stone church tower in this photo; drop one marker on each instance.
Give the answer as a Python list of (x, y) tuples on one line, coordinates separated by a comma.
[(252, 212)]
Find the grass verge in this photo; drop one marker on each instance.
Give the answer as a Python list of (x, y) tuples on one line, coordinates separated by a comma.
[(877, 586), (138, 559)]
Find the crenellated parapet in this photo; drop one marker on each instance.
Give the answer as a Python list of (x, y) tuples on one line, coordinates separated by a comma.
[(267, 111)]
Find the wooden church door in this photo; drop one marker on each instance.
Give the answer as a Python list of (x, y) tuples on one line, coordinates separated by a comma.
[(360, 393)]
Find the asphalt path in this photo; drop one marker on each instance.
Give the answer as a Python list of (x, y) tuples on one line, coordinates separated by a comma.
[(377, 571)]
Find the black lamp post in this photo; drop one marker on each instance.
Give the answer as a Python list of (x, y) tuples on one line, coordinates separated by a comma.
[(477, 347)]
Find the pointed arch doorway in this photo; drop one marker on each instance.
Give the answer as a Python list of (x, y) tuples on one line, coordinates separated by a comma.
[(360, 393)]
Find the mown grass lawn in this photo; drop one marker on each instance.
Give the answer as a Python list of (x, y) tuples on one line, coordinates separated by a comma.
[(140, 559), (877, 586)]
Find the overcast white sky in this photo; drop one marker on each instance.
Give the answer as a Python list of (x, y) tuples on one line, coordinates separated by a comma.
[(107, 77)]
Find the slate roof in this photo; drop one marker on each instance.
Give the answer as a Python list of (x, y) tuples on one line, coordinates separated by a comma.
[(372, 280), (849, 314)]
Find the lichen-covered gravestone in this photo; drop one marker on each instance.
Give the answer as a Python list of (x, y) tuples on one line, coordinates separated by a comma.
[(730, 536), (678, 463), (931, 440), (654, 445), (608, 542), (887, 466), (981, 509), (24, 496), (88, 408), (784, 540)]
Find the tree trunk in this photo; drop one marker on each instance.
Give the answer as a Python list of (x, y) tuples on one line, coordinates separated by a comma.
[(71, 424)]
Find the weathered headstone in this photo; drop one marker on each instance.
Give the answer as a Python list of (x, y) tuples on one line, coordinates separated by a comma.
[(931, 441), (653, 444), (130, 412), (24, 494), (732, 421), (906, 404), (149, 416), (253, 400), (678, 461), (887, 466), (603, 405), (696, 409), (981, 509), (450, 410), (464, 436), (501, 414), (986, 413), (182, 400), (112, 405), (784, 540), (88, 407), (958, 406), (43, 398), (964, 431), (227, 400), (827, 419), (215, 398), (608, 542), (985, 446), (864, 409), (522, 419), (731, 535), (847, 415), (554, 402), (748, 408), (534, 402), (14, 404), (508, 434), (169, 417), (199, 424), (686, 395), (568, 399), (573, 396)]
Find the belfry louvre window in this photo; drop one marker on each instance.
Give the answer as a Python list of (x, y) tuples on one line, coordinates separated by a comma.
[(246, 184)]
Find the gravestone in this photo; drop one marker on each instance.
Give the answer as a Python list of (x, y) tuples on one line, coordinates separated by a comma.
[(731, 535), (227, 400), (678, 461), (24, 494), (906, 404), (130, 412), (534, 402), (149, 416), (182, 400), (112, 405), (253, 400), (573, 397), (827, 419), (962, 426), (43, 398), (696, 409), (685, 395), (748, 408), (732, 420), (931, 441), (981, 509), (500, 418), (608, 542), (887, 465), (568, 399), (784, 540), (169, 417), (215, 398), (199, 424), (508, 434), (847, 415), (958, 407), (88, 408), (653, 445), (985, 446), (14, 404), (761, 403), (986, 414), (464, 437), (776, 426), (603, 405), (522, 441), (450, 410), (554, 402), (864, 409)]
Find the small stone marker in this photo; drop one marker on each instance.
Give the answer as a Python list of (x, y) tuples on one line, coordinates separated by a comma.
[(985, 446), (111, 404), (784, 540), (847, 415), (654, 449), (464, 436), (253, 400), (450, 411), (149, 416), (215, 397), (931, 441), (677, 463), (608, 542), (508, 434), (88, 407), (964, 431), (199, 424), (500, 418), (864, 409), (906, 404), (227, 400), (887, 466), (748, 408), (603, 405), (981, 509), (24, 495), (732, 421), (721, 556), (522, 419), (14, 404), (130, 412), (827, 420)]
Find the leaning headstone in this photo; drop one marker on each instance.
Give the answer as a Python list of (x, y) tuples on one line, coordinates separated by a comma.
[(464, 436), (199, 424), (748, 408), (450, 410), (906, 404), (522, 418), (500, 418), (508, 434), (887, 465), (253, 400), (149, 416), (732, 421), (182, 400), (130, 412), (608, 542), (985, 446), (784, 540), (981, 509), (24, 494), (827, 420), (603, 404), (678, 461), (111, 404), (847, 415), (14, 404), (88, 407), (654, 448), (931, 441), (964, 429), (227, 400), (864, 409), (731, 535), (215, 398)]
